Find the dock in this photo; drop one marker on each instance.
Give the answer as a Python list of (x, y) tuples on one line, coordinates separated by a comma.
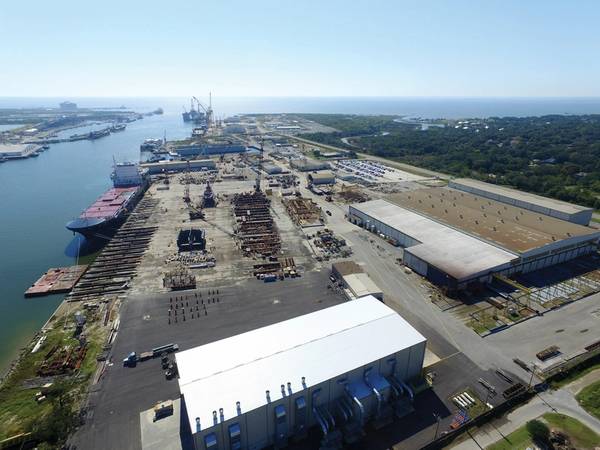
[(56, 280), (113, 269)]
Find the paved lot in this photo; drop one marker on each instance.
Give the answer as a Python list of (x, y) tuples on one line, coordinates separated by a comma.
[(116, 402)]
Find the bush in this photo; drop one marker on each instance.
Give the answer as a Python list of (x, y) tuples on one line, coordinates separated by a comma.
[(538, 431)]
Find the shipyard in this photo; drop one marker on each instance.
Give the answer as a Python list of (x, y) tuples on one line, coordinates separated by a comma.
[(248, 294)]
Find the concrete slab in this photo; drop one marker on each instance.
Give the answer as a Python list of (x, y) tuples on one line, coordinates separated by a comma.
[(162, 434)]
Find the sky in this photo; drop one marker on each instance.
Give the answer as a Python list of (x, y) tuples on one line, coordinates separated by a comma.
[(300, 48)]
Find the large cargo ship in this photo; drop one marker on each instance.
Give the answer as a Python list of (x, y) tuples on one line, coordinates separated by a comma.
[(103, 217)]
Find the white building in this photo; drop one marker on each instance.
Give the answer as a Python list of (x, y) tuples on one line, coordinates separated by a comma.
[(127, 174), (336, 368)]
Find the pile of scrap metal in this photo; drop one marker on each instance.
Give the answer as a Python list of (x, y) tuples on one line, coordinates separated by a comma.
[(330, 245), (60, 361), (303, 211), (179, 279), (257, 233), (352, 195)]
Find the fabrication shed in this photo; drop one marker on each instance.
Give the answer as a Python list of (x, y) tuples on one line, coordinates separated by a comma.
[(324, 177), (551, 207), (342, 268), (455, 238), (179, 166), (308, 165), (335, 369), (360, 284)]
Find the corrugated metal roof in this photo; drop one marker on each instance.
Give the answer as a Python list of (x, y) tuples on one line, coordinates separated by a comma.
[(318, 346), (513, 228), (457, 254), (558, 205)]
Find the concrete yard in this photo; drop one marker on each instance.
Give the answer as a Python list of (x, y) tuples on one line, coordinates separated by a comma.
[(229, 300), (117, 400)]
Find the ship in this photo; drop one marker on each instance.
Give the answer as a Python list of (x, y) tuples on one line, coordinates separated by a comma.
[(118, 127), (151, 145), (199, 114), (91, 135), (103, 217)]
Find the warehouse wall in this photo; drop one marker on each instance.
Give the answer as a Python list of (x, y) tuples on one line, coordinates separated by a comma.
[(258, 426), (359, 218)]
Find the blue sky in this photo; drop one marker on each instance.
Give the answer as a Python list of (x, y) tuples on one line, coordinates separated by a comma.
[(300, 48)]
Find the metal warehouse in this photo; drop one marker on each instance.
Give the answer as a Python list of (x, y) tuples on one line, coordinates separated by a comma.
[(555, 208), (360, 285), (208, 149), (308, 165), (178, 166), (325, 177), (336, 368), (454, 238)]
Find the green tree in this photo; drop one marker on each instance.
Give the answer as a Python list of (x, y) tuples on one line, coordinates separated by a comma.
[(538, 431)]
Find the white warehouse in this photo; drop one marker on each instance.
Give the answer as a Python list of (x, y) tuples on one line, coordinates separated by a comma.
[(336, 368)]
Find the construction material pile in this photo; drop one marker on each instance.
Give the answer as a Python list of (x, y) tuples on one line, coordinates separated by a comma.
[(270, 271), (193, 260), (255, 229), (352, 195), (303, 211), (59, 361), (327, 245), (179, 279)]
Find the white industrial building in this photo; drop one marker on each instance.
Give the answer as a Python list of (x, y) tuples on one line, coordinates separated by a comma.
[(555, 208), (455, 239), (336, 368)]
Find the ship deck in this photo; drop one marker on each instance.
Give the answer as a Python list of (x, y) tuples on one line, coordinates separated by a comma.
[(109, 203)]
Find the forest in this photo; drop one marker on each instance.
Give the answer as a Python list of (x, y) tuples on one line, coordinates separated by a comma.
[(557, 156)]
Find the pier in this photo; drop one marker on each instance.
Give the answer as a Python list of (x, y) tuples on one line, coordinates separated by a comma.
[(56, 281)]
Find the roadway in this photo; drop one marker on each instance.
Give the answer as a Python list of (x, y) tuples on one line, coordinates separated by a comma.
[(559, 401)]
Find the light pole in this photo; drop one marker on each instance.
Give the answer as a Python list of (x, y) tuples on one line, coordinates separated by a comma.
[(437, 425)]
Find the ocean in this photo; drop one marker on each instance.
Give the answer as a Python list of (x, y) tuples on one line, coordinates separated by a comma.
[(39, 195)]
